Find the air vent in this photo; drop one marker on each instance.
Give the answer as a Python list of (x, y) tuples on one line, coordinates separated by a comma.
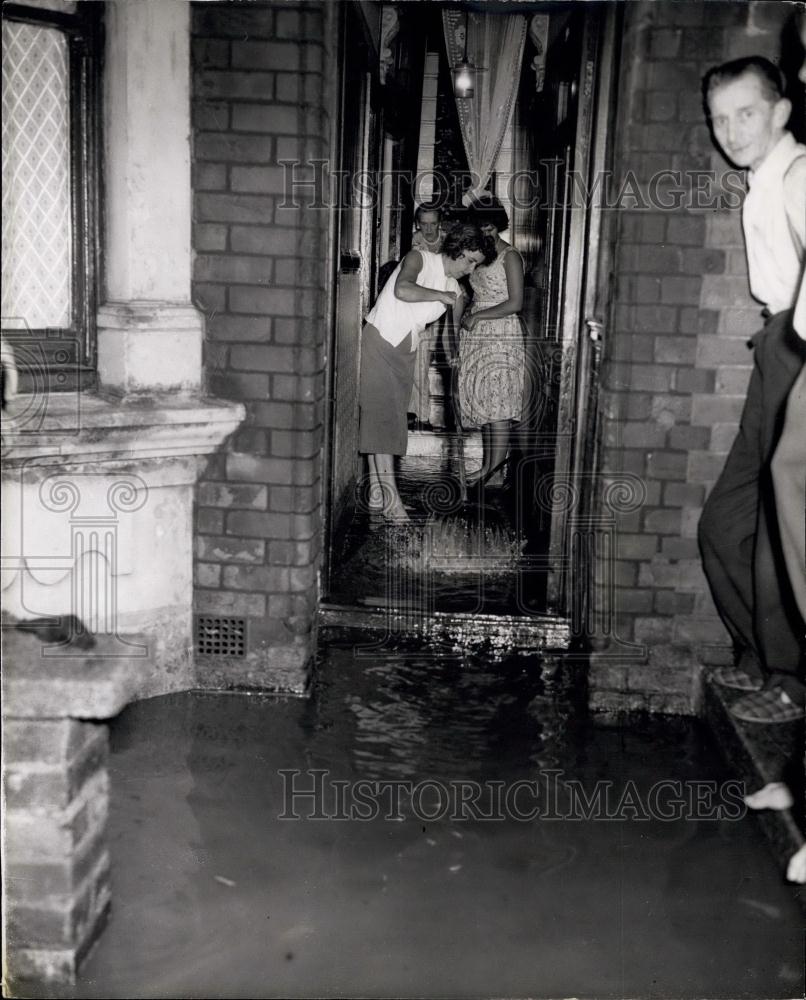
[(220, 636)]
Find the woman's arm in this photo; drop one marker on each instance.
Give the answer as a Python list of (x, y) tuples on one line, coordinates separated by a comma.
[(407, 289), (513, 266)]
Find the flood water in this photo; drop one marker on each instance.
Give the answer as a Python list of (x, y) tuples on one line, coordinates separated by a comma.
[(486, 554), (215, 896)]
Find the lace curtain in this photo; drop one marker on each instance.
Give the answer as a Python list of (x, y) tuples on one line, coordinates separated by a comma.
[(495, 47)]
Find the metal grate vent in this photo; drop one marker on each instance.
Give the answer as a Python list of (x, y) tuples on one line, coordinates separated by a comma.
[(220, 636)]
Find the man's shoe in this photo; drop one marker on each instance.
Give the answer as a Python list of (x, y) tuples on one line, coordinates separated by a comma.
[(736, 679), (767, 706)]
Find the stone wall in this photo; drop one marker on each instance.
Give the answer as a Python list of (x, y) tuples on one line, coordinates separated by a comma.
[(677, 361), (261, 78)]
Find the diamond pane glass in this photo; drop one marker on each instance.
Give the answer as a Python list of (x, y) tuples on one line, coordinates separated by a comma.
[(36, 177)]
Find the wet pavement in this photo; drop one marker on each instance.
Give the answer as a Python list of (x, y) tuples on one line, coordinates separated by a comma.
[(215, 896)]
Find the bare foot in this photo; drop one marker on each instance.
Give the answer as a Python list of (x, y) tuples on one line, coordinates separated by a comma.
[(796, 869), (774, 795)]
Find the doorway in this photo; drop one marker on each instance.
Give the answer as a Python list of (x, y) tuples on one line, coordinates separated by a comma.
[(511, 551)]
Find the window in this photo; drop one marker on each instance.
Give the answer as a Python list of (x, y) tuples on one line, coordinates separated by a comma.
[(50, 190)]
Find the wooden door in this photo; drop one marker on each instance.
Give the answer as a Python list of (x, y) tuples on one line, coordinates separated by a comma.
[(561, 136)]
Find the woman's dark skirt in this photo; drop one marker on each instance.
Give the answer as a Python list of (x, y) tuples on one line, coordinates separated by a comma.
[(387, 375)]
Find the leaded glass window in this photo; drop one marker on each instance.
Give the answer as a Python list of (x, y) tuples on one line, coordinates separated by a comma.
[(36, 176), (50, 174)]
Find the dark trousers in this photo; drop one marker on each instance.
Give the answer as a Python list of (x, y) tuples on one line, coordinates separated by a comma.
[(738, 531)]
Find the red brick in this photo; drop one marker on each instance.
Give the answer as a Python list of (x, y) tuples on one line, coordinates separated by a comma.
[(667, 465), (303, 444), (264, 239), (675, 350), (703, 262), (224, 147), (643, 435), (733, 381), (232, 269), (714, 351), (660, 105), (680, 290), (723, 290), (239, 385), (210, 298), (209, 177), (688, 230), (212, 116), (266, 55), (687, 438), (239, 328), (681, 548), (667, 602), (263, 180), (656, 319), (288, 87), (233, 20), (258, 469), (683, 495), (669, 409), (264, 578), (209, 522), (232, 495), (276, 119), (213, 52), (221, 548), (636, 546), (654, 378), (709, 410), (693, 380), (705, 466), (207, 574), (209, 237), (263, 358), (234, 208), (249, 86), (221, 602), (663, 521), (261, 300), (270, 524)]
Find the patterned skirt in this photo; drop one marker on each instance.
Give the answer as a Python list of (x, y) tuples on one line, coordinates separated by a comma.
[(492, 365)]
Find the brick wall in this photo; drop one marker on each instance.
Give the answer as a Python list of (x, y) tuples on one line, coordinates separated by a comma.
[(260, 78), (677, 363), (55, 800)]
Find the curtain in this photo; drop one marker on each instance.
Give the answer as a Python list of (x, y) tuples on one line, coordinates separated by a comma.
[(495, 47)]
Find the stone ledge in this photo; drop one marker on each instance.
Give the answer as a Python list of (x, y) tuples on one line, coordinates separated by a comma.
[(94, 684), (85, 427)]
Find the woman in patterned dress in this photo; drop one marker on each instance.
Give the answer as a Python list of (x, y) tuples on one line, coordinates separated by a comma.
[(492, 356)]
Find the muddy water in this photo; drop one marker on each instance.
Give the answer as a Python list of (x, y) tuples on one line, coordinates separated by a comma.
[(215, 896)]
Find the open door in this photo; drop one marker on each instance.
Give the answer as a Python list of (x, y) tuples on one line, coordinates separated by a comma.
[(355, 225), (561, 139)]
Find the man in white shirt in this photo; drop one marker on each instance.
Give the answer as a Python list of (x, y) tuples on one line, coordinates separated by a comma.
[(738, 532)]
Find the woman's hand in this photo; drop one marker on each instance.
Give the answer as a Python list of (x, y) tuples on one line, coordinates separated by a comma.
[(448, 298), (468, 322)]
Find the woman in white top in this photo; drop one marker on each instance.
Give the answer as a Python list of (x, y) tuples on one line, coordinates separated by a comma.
[(422, 286)]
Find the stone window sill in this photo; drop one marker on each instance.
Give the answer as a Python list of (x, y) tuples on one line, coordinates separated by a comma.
[(76, 427)]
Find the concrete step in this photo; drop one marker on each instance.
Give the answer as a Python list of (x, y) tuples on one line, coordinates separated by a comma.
[(760, 754)]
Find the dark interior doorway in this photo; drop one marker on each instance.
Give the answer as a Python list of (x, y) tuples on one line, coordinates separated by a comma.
[(509, 552)]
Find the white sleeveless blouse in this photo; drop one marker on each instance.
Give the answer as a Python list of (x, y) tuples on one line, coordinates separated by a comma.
[(393, 318)]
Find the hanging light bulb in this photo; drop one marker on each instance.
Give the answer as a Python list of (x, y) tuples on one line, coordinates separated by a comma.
[(464, 73), (464, 79)]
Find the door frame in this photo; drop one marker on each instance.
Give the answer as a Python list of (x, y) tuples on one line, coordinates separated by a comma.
[(585, 306)]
